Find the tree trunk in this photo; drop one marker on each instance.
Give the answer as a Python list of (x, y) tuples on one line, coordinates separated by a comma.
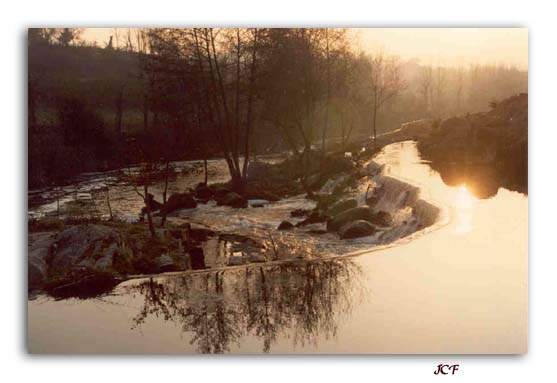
[(146, 112), (250, 103), (119, 108), (148, 209), (236, 137), (375, 123), (234, 169), (31, 98), (326, 122), (223, 127), (166, 174)]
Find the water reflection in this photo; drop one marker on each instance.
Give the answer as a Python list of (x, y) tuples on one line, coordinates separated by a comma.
[(464, 202), (482, 181), (218, 309)]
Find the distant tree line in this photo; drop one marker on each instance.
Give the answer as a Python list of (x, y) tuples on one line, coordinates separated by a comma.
[(228, 92)]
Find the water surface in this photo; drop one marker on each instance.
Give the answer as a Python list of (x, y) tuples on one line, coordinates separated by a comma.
[(459, 286)]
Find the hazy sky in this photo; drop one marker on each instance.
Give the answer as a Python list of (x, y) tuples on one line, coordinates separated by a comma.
[(451, 46), (443, 46)]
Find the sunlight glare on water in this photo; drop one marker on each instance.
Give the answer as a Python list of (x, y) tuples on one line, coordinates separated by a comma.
[(464, 202)]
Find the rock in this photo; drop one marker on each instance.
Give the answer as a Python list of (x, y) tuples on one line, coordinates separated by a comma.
[(203, 192), (317, 231), (37, 252), (234, 200), (324, 200), (104, 263), (268, 195), (236, 261), (154, 205), (82, 284), (258, 202), (197, 258), (365, 213), (84, 246), (200, 234), (341, 206), (371, 201), (314, 217), (179, 201), (300, 213), (381, 218), (78, 261), (257, 258), (356, 229), (285, 225), (358, 213), (219, 191), (165, 263)]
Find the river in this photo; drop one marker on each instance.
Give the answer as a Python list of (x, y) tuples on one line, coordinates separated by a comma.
[(458, 286)]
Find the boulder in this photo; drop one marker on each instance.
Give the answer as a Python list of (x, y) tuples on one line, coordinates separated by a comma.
[(356, 229), (357, 213), (258, 202), (219, 191), (236, 261), (381, 218), (314, 217), (257, 258), (165, 263), (179, 201), (341, 206), (197, 258), (78, 261), (200, 234), (268, 195), (285, 225), (203, 192), (84, 246), (37, 253), (154, 205), (234, 200), (300, 213)]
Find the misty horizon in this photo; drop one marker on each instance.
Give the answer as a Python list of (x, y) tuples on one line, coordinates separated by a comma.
[(454, 47)]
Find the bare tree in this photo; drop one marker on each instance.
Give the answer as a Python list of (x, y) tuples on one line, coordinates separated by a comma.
[(294, 90), (328, 96), (227, 59), (425, 82), (385, 83), (439, 88), (459, 85)]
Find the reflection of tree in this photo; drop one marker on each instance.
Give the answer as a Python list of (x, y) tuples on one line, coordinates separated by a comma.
[(306, 298)]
